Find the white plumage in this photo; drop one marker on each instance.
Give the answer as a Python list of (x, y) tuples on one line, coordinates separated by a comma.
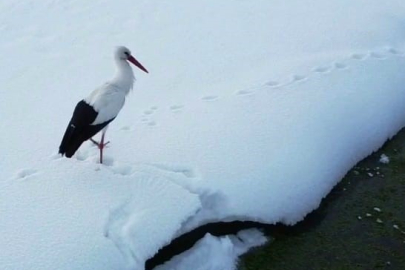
[(109, 98)]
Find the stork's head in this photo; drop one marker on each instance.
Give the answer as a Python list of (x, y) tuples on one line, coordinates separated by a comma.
[(124, 54)]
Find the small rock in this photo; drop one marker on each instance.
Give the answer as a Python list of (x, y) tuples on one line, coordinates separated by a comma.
[(377, 173), (377, 209), (388, 263), (379, 221), (370, 174), (359, 218), (396, 226), (356, 172), (368, 215), (367, 169)]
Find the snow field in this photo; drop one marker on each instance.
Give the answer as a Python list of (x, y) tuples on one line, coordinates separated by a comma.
[(251, 111)]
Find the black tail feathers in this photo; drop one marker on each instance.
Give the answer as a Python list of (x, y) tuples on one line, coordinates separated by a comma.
[(71, 141)]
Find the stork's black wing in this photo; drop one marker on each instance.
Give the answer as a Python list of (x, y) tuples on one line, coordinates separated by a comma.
[(80, 128)]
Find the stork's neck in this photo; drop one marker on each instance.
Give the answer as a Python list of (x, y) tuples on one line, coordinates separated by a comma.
[(124, 76)]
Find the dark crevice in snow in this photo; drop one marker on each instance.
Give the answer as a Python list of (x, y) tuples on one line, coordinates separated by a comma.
[(187, 240)]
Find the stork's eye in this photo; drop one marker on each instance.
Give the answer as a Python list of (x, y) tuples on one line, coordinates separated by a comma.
[(126, 53)]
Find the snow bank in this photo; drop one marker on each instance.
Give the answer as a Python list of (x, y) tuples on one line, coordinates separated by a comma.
[(158, 207)]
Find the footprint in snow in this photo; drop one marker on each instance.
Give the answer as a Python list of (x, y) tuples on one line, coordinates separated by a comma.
[(244, 93), (272, 83), (151, 123), (395, 52), (154, 108), (148, 112), (339, 65), (176, 108), (322, 69), (209, 98), (358, 56), (377, 55), (24, 173), (297, 78)]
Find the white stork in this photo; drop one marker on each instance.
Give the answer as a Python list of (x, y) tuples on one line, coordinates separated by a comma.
[(95, 112)]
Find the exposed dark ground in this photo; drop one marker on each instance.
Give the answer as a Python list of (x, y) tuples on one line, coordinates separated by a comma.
[(340, 235)]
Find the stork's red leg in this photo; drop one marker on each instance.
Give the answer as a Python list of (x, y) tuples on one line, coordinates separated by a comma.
[(101, 146)]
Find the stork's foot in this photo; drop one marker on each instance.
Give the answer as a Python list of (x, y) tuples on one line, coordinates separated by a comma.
[(99, 145)]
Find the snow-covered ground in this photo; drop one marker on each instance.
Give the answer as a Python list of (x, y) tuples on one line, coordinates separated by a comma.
[(253, 110)]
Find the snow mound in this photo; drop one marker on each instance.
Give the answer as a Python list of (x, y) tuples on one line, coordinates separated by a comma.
[(158, 207)]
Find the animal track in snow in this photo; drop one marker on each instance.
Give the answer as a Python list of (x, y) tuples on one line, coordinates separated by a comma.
[(275, 84), (297, 78), (377, 55), (272, 83), (148, 112), (339, 65), (244, 93), (359, 56), (395, 52), (176, 108), (24, 173), (209, 98), (322, 69)]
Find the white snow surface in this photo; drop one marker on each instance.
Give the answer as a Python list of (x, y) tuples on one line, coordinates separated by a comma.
[(252, 110)]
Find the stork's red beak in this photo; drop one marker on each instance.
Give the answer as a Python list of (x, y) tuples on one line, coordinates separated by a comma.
[(136, 63)]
